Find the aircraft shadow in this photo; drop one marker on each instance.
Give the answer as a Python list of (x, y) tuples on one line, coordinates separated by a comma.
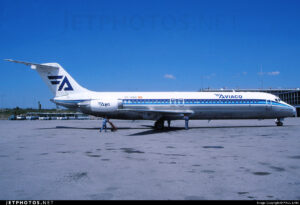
[(150, 129), (172, 129), (89, 128)]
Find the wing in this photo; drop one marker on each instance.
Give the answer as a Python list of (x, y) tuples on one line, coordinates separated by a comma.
[(162, 112)]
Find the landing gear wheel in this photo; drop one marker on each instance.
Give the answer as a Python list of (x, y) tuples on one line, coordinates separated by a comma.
[(279, 122), (159, 125)]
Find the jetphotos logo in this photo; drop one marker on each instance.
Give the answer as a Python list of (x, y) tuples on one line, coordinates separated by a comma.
[(221, 96), (56, 80)]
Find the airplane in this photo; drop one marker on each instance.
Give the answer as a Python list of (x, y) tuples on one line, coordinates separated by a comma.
[(160, 106)]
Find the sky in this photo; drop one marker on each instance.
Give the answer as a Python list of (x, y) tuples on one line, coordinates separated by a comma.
[(149, 45)]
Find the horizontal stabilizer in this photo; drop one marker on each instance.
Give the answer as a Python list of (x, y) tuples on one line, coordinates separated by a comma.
[(32, 65)]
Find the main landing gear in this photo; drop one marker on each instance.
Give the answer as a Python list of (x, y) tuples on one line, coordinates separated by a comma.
[(279, 122), (159, 124)]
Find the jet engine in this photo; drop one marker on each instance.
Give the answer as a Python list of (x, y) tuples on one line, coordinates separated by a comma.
[(105, 105)]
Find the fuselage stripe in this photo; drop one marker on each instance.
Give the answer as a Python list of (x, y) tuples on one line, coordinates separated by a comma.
[(198, 102)]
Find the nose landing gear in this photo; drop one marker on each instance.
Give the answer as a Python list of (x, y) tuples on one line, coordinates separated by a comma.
[(279, 122)]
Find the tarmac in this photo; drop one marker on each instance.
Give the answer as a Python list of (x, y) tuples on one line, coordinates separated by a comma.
[(217, 160)]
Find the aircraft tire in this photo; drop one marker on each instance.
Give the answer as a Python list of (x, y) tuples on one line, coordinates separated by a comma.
[(159, 125)]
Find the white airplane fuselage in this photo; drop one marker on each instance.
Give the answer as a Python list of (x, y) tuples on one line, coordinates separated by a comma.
[(173, 105)]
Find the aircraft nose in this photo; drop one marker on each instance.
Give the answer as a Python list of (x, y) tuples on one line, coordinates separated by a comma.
[(295, 111)]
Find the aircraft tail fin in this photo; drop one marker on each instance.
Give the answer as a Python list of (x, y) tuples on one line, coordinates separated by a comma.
[(56, 78)]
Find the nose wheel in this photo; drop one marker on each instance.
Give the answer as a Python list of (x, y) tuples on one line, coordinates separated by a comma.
[(279, 122)]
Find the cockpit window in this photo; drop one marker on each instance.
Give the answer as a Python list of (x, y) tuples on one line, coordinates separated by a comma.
[(277, 100)]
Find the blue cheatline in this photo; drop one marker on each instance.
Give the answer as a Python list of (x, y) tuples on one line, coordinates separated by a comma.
[(196, 102)]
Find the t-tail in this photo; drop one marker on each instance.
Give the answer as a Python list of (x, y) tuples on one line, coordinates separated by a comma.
[(56, 78)]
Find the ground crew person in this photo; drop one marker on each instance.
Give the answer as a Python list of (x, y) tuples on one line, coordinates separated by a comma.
[(103, 124), (186, 119)]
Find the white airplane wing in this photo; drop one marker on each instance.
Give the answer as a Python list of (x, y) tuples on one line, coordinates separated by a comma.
[(166, 112)]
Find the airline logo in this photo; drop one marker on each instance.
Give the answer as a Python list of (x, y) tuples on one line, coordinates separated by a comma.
[(103, 104), (221, 96), (56, 80)]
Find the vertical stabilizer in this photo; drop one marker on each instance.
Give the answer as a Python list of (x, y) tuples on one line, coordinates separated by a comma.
[(56, 78)]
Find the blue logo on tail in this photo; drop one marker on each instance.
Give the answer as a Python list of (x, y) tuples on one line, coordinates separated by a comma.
[(56, 79)]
